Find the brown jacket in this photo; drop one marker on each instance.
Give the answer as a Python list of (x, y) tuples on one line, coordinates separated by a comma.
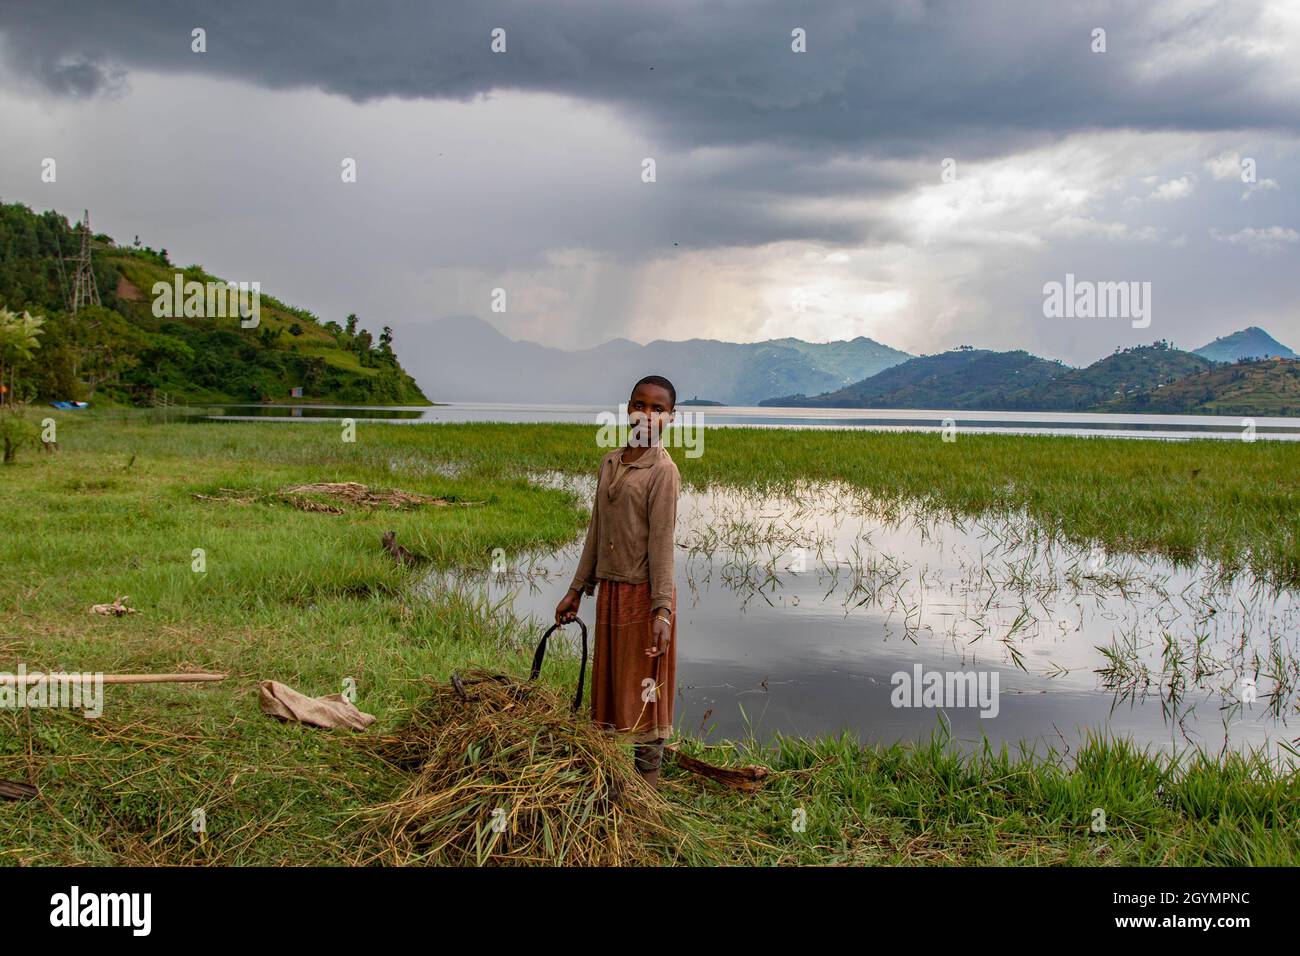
[(630, 536)]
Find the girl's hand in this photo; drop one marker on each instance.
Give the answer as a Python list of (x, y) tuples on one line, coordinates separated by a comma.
[(567, 610), (663, 635)]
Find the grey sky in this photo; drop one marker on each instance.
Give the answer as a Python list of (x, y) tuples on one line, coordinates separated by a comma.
[(780, 175)]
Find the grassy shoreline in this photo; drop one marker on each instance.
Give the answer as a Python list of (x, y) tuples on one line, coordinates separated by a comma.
[(309, 599)]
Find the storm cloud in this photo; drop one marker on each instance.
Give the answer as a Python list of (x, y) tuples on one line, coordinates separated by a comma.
[(894, 78), (778, 172)]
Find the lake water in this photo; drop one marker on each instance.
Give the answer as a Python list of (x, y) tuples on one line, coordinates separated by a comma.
[(809, 614), (798, 614), (1050, 423)]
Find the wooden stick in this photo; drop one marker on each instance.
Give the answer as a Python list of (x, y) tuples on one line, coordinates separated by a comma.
[(112, 678), (748, 778), (14, 790)]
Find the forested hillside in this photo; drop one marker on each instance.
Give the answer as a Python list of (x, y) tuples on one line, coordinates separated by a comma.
[(120, 351), (1145, 378)]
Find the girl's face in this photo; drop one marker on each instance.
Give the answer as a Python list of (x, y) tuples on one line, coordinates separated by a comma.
[(649, 411)]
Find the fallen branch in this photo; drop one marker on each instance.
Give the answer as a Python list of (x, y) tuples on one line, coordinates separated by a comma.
[(83, 678), (748, 778), (13, 790)]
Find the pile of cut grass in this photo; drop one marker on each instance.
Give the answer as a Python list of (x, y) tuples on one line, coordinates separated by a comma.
[(506, 774)]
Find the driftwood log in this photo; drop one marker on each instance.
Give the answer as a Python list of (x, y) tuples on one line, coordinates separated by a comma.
[(13, 790), (748, 778)]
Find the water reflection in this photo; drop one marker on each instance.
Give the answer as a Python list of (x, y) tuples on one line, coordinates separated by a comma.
[(798, 611)]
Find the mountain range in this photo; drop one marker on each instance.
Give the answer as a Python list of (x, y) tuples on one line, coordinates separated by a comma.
[(121, 350), (1149, 378), (968, 378), (463, 358)]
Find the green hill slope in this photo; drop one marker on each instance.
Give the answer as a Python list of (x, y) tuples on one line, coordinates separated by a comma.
[(1124, 373), (121, 351), (1249, 387), (962, 378), (1152, 378)]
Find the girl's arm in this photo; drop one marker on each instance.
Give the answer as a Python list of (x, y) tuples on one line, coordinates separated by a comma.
[(662, 508)]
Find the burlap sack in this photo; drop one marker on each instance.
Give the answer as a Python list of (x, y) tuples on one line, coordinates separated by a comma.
[(280, 700)]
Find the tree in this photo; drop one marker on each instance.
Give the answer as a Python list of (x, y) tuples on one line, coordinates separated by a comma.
[(107, 345), (364, 341), (18, 340), (386, 343), (352, 324), (16, 430)]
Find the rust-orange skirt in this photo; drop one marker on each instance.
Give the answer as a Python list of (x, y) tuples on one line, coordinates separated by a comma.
[(631, 694)]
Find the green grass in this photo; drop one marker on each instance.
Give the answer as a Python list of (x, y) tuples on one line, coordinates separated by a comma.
[(309, 599)]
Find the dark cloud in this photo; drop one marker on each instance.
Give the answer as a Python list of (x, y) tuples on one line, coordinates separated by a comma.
[(1058, 149), (79, 77), (891, 79)]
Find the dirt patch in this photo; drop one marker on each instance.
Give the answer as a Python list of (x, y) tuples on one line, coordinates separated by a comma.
[(127, 290)]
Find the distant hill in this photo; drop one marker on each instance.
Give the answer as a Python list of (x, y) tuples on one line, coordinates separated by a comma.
[(963, 378), (464, 358), (1252, 342), (1249, 387), (121, 351), (1153, 378), (1124, 373)]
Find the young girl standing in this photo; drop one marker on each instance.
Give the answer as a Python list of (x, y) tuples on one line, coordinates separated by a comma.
[(629, 551)]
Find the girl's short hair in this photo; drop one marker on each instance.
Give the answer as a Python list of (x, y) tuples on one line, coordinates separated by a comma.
[(662, 383)]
